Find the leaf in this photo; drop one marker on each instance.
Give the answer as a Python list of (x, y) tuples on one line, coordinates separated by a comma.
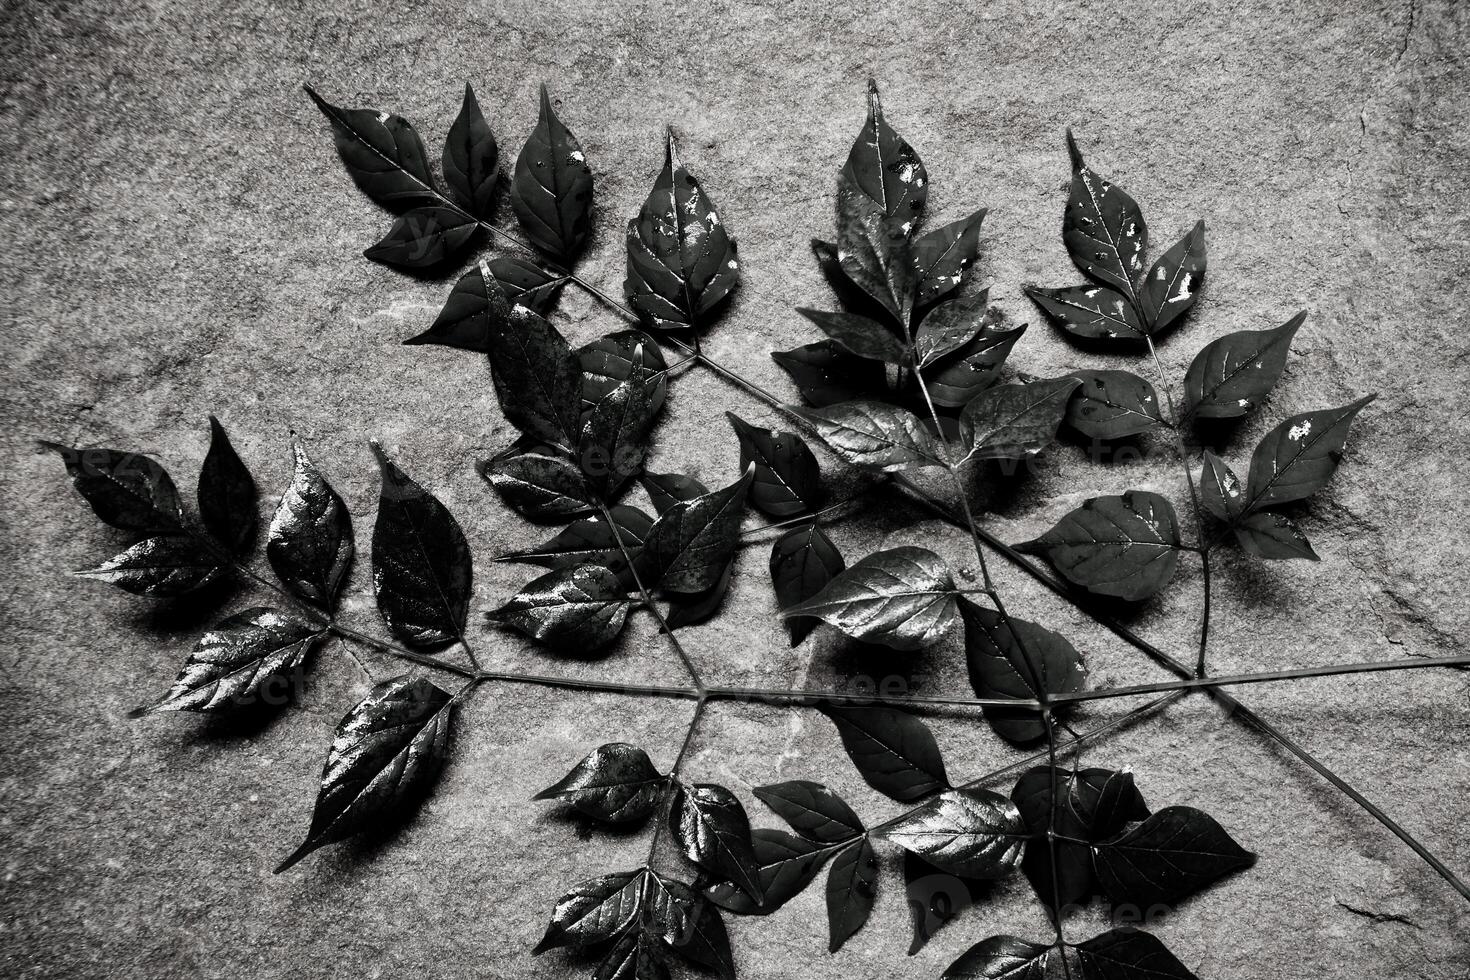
[(956, 379), (159, 567), (1299, 456), (852, 885), (227, 494), (127, 491), (1014, 658), (611, 360), (1220, 489), (1128, 954), (472, 159), (594, 911), (615, 783), (238, 661), (1230, 376), (590, 541), (813, 810), (1090, 312), (857, 334), (788, 480), (935, 898), (309, 544), (874, 435), (878, 263), (695, 931), (1091, 804), (688, 547), (421, 562), (1126, 546), (387, 751), (635, 956), (1172, 285), (786, 865), (1170, 856), (474, 305), (1113, 404), (538, 380), (827, 374), (1016, 421), (970, 832), (382, 153), (572, 610), (526, 283), (1009, 958), (903, 598), (886, 170), (894, 751), (941, 256), (668, 489), (615, 436), (1267, 535), (551, 192), (1103, 229), (803, 561), (424, 238), (681, 259), (538, 486), (711, 828), (950, 326)]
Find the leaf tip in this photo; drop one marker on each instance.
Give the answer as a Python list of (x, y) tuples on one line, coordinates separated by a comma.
[(294, 857), (140, 712)]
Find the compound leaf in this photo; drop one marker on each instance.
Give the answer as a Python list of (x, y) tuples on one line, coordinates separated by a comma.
[(615, 783), (903, 598), (893, 750), (1125, 546)]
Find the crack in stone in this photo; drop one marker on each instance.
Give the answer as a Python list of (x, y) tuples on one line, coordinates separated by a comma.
[(1379, 917)]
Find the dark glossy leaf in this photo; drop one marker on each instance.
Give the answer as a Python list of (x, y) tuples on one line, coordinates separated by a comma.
[(786, 865), (711, 828), (902, 598), (941, 256), (615, 436), (421, 562), (382, 153), (1172, 285), (858, 335), (935, 898), (955, 380), (615, 783), (227, 494), (636, 955), (160, 567), (876, 261), (829, 375), (1126, 546), (681, 260), (572, 610), (950, 326), (1090, 312), (590, 541), (1268, 535), (1103, 229), (472, 159), (849, 295), (690, 544), (387, 751), (609, 361), (788, 480), (1091, 804), (540, 486), (526, 283), (1230, 376), (1299, 456), (1127, 954), (1170, 856), (126, 490), (310, 539), (803, 561), (1009, 958), (552, 189), (886, 170), (1016, 421), (692, 610), (238, 662), (1220, 489), (475, 303), (893, 750), (970, 832), (1014, 658), (538, 380), (424, 238), (875, 435), (691, 926), (594, 911), (813, 810), (852, 884), (1113, 404), (668, 489)]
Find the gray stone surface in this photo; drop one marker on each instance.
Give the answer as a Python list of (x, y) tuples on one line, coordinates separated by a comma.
[(179, 239)]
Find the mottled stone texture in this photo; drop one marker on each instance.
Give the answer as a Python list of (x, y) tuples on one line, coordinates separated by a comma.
[(179, 239)]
